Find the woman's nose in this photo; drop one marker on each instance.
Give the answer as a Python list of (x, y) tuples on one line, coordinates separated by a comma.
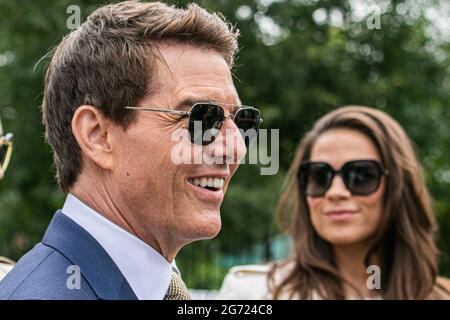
[(338, 189)]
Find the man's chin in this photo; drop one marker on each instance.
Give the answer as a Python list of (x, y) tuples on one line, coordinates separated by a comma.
[(208, 225), (213, 233)]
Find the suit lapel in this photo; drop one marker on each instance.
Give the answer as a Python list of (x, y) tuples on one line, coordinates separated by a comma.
[(96, 266)]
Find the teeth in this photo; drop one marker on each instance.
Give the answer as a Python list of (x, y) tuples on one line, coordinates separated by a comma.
[(216, 183)]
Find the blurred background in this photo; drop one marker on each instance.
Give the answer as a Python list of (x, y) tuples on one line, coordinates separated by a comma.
[(299, 59)]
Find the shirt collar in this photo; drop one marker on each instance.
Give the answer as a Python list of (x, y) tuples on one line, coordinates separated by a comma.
[(147, 271)]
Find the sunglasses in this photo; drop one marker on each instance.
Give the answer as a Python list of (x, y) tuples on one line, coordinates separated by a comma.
[(206, 119), (6, 144), (361, 177)]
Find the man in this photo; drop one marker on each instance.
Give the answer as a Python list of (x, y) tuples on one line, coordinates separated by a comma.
[(131, 206)]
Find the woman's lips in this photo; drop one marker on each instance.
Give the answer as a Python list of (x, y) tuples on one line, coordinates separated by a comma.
[(340, 215)]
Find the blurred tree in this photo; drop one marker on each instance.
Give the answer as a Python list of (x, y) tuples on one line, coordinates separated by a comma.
[(299, 60)]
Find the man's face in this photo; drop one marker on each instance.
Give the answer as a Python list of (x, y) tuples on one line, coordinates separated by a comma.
[(157, 196)]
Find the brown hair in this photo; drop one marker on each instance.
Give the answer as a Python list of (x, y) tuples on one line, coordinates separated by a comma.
[(109, 61), (405, 237)]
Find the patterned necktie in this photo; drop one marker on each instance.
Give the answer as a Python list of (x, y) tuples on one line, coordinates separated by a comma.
[(177, 289)]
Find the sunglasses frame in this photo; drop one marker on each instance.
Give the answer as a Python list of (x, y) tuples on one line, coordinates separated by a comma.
[(231, 115), (7, 140), (303, 185)]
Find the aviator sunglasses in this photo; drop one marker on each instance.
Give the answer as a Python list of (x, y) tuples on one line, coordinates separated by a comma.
[(206, 119)]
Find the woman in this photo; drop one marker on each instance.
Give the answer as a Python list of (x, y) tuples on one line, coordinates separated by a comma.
[(360, 216), (6, 142)]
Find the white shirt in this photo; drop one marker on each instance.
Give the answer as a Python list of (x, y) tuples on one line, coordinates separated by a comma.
[(147, 272)]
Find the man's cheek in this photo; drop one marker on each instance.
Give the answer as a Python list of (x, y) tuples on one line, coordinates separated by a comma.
[(233, 168), (158, 154)]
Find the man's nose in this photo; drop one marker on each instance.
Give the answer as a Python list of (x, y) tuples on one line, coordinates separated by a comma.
[(338, 189), (229, 146)]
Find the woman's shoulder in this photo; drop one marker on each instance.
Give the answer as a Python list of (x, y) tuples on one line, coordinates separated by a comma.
[(5, 266), (248, 282)]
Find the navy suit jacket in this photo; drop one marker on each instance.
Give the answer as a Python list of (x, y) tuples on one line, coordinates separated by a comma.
[(46, 272)]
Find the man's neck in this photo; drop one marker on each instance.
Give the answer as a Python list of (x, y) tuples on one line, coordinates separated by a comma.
[(102, 204), (94, 190)]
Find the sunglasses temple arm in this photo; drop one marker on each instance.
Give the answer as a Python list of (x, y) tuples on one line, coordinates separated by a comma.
[(183, 113)]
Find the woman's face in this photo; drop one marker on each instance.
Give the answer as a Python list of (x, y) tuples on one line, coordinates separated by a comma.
[(339, 217)]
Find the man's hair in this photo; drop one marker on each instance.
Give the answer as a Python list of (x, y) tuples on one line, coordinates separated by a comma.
[(109, 63)]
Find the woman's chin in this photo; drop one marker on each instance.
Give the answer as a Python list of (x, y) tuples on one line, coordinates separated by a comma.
[(343, 239)]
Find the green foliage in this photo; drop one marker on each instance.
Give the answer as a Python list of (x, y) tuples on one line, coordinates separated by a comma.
[(295, 72)]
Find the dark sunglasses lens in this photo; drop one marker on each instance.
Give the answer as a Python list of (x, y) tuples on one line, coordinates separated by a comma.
[(362, 177), (204, 123), (247, 120), (315, 178)]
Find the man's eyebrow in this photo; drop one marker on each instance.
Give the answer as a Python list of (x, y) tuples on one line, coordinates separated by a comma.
[(187, 103)]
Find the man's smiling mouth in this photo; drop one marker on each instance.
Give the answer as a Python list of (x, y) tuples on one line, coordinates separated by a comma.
[(210, 183)]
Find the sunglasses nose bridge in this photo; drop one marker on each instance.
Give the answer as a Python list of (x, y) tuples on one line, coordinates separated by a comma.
[(230, 116), (341, 188)]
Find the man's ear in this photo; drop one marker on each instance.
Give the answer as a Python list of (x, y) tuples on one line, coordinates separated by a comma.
[(91, 130)]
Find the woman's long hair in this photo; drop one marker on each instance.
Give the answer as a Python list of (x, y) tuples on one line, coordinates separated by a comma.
[(404, 239)]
